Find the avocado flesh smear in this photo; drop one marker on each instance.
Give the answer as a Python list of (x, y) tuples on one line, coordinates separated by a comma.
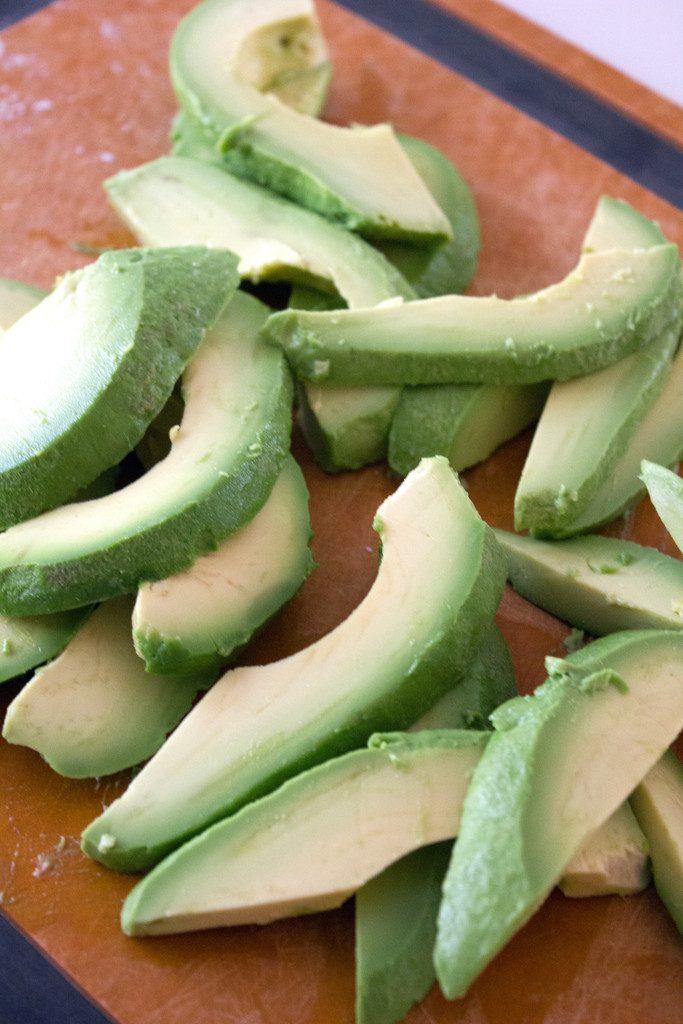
[(610, 305), (557, 766), (94, 710), (658, 805), (587, 423), (195, 620), (408, 642), (342, 173), (600, 584), (225, 458), (666, 494), (312, 843), (97, 338)]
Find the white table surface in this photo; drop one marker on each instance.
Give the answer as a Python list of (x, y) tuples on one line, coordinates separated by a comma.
[(643, 38)]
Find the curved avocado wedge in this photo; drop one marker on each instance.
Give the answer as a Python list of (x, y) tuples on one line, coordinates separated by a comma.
[(179, 201), (16, 298), (110, 341), (408, 642), (312, 843), (29, 641), (610, 305), (229, 450), (451, 267), (558, 764), (94, 710), (666, 494), (587, 423), (463, 422), (658, 806), (600, 584), (194, 621), (359, 177)]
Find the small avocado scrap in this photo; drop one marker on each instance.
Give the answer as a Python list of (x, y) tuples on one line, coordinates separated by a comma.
[(658, 806), (110, 340), (666, 493), (558, 764), (409, 641), (195, 620), (226, 456), (600, 584), (94, 710), (16, 299), (610, 305), (614, 860), (314, 841)]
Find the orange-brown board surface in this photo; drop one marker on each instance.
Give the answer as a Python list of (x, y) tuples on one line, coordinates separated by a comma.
[(84, 92)]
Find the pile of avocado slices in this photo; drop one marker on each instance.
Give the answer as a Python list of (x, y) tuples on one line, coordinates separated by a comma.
[(404, 730)]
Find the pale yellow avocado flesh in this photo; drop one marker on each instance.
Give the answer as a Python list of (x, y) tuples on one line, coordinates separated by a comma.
[(406, 644), (311, 844), (94, 710), (613, 860)]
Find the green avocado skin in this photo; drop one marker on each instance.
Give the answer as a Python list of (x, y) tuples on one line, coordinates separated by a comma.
[(172, 542), (148, 357), (505, 861)]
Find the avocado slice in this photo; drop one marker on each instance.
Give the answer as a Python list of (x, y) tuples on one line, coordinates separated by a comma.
[(463, 422), (666, 494), (451, 267), (395, 933), (94, 710), (408, 642), (16, 298), (614, 860), (27, 642), (610, 305), (600, 584), (225, 458), (340, 173), (193, 621), (658, 806), (177, 200), (618, 225), (347, 428), (658, 437), (97, 338), (558, 764), (331, 828)]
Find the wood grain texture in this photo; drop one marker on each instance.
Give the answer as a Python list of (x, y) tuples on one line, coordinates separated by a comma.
[(83, 93)]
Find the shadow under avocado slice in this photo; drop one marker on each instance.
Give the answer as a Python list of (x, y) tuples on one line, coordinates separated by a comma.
[(226, 455)]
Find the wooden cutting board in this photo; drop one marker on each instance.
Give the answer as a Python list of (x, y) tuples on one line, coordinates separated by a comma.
[(84, 93)]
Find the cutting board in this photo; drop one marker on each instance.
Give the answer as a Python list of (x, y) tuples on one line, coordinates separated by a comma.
[(84, 93)]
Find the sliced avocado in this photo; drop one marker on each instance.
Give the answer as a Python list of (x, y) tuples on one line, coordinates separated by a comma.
[(658, 806), (600, 584), (359, 177), (587, 424), (16, 298), (347, 428), (27, 642), (408, 642), (463, 422), (558, 764), (110, 341), (614, 860), (617, 225), (666, 494), (194, 621), (229, 450), (94, 710), (610, 305), (177, 198), (395, 933), (312, 843), (451, 267), (489, 682), (658, 437)]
